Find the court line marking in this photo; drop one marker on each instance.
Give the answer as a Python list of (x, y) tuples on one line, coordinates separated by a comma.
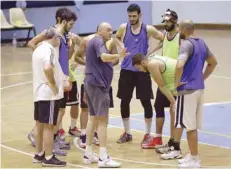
[(32, 155)]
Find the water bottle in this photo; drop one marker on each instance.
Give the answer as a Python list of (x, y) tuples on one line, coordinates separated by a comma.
[(14, 41)]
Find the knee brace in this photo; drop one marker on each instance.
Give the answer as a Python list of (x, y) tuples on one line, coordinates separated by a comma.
[(125, 108), (147, 105), (159, 108)]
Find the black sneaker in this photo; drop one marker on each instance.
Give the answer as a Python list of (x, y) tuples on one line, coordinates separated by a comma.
[(125, 137), (39, 159), (53, 162)]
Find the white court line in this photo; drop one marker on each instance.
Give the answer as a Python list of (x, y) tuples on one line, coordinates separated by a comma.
[(32, 155), (16, 74), (17, 84)]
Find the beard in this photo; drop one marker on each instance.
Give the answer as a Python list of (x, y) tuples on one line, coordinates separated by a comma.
[(169, 28), (134, 22)]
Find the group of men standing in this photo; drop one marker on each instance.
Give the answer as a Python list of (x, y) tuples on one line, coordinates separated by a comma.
[(178, 74)]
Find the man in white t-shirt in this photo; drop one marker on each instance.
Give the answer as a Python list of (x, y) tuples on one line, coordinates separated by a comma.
[(48, 86)]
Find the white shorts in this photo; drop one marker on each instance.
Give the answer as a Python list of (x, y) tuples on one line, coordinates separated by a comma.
[(189, 110)]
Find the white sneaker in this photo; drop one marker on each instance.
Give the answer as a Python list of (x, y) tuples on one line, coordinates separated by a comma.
[(187, 158), (190, 164), (172, 155), (108, 163), (90, 159), (164, 149), (76, 142)]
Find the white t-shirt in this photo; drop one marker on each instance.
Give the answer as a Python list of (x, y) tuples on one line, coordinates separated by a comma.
[(45, 53)]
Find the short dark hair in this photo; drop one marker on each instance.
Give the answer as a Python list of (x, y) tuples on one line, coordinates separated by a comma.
[(137, 58), (134, 8), (68, 16), (59, 13)]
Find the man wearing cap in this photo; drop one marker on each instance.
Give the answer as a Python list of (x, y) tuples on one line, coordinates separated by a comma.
[(170, 48)]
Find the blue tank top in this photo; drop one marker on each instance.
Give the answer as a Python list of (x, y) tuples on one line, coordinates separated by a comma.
[(135, 44), (193, 68), (63, 55)]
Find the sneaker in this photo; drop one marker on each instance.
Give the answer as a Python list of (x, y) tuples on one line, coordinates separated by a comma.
[(74, 131), (31, 138), (39, 159), (108, 163), (158, 142), (62, 145), (76, 142), (125, 137), (190, 164), (174, 154), (61, 134), (82, 141), (90, 159), (148, 142), (164, 149), (95, 139), (58, 151), (53, 162), (187, 158)]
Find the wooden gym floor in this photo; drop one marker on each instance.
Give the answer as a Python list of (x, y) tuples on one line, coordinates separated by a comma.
[(17, 114)]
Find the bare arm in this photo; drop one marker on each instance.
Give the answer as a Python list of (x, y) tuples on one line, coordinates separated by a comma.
[(154, 69), (36, 40), (179, 71), (212, 63), (80, 53), (113, 50), (153, 32)]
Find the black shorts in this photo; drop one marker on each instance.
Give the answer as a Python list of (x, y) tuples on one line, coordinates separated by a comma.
[(129, 80), (46, 111), (161, 100), (71, 97), (84, 105)]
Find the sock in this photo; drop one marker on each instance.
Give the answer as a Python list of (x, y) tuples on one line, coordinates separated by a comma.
[(49, 157), (88, 151), (195, 157), (73, 123), (126, 125), (61, 125), (102, 153), (41, 153), (176, 145), (83, 132), (158, 135), (171, 142), (147, 127)]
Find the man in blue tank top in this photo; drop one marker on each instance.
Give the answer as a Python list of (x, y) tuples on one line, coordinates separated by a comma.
[(135, 36), (189, 80)]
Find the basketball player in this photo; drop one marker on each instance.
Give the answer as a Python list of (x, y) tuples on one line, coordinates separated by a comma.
[(48, 82), (79, 56), (65, 21), (99, 73), (170, 48), (189, 110), (135, 36)]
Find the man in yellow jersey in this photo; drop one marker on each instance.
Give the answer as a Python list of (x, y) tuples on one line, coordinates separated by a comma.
[(170, 48), (79, 56)]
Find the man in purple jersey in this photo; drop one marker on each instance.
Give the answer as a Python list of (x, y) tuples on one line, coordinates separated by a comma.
[(135, 36)]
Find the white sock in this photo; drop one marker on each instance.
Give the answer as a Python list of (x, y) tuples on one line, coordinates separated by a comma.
[(73, 123), (126, 125), (148, 127), (102, 153), (49, 157), (83, 132), (41, 153), (88, 151), (158, 135), (196, 158), (61, 125)]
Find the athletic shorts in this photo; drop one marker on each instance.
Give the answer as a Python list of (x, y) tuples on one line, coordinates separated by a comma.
[(46, 111), (161, 100), (98, 100), (189, 110), (71, 97), (129, 80), (84, 105)]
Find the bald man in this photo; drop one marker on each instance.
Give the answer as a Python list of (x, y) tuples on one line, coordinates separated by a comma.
[(99, 73), (79, 56), (189, 81)]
